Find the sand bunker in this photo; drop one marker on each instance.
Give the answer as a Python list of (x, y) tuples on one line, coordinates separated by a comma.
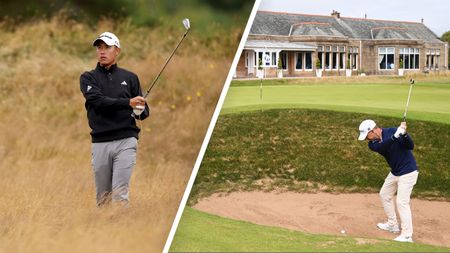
[(324, 213)]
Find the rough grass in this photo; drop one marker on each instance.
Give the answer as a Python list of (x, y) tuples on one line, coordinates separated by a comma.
[(47, 202), (310, 150), (227, 235)]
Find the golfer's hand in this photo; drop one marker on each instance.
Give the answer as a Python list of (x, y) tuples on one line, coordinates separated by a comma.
[(403, 125), (400, 131), (137, 101)]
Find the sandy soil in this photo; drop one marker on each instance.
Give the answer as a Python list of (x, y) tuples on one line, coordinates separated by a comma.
[(326, 213)]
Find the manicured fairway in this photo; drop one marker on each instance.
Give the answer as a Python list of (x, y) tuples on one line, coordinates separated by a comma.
[(195, 234), (429, 101)]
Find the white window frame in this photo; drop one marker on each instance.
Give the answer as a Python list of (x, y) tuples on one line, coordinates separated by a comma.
[(273, 59), (303, 53), (386, 53), (270, 53), (412, 60), (304, 61), (433, 58), (330, 56), (296, 59), (353, 58), (287, 59)]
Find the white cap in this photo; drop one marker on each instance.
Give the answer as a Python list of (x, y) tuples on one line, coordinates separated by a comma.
[(110, 39), (365, 127)]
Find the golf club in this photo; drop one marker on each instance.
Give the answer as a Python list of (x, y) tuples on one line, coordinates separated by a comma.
[(411, 81), (140, 109)]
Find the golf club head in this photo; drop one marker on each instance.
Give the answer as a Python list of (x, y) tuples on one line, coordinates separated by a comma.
[(411, 81), (186, 23)]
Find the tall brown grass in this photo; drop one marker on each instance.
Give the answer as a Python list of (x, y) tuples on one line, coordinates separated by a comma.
[(47, 197)]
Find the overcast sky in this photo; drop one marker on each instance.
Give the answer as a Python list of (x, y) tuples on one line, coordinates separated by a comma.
[(436, 13)]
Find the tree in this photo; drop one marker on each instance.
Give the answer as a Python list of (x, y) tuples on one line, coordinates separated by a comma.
[(446, 38)]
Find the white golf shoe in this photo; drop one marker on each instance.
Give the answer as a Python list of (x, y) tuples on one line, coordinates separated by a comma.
[(387, 227), (402, 238)]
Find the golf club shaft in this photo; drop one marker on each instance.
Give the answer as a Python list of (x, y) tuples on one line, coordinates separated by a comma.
[(165, 64), (407, 102)]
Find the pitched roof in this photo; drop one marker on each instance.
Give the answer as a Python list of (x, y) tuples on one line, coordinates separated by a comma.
[(291, 24), (285, 45)]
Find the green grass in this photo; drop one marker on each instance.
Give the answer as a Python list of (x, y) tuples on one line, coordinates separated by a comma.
[(429, 100), (199, 231), (302, 137), (307, 150)]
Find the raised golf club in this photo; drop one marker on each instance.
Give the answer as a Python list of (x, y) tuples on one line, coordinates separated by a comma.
[(411, 82), (139, 109)]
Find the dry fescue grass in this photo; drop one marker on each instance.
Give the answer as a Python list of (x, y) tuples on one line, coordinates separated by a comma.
[(47, 202)]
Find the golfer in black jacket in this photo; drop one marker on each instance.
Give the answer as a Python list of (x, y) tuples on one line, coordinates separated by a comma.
[(111, 94)]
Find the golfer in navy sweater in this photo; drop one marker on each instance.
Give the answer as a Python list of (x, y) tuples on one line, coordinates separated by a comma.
[(396, 146)]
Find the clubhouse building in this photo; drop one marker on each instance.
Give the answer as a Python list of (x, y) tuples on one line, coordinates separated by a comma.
[(302, 45)]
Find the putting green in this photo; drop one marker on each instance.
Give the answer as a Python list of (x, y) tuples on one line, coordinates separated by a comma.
[(429, 101)]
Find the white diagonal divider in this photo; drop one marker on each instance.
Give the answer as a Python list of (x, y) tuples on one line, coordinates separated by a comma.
[(210, 128)]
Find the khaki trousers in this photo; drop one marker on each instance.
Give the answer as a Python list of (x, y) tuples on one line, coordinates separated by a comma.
[(403, 185)]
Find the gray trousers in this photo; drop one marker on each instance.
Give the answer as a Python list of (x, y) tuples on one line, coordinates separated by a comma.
[(113, 163)]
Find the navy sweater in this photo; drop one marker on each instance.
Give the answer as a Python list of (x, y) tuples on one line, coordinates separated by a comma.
[(108, 93), (396, 151)]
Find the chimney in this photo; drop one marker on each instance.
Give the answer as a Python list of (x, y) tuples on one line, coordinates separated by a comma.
[(336, 14)]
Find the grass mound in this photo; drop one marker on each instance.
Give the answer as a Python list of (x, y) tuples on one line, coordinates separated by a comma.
[(226, 235), (310, 150)]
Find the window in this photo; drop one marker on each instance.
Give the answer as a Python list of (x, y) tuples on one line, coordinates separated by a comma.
[(260, 59), (328, 57), (308, 60), (433, 58), (335, 60), (299, 61), (267, 59), (409, 57), (386, 58), (320, 58), (438, 52), (353, 58), (303, 61), (284, 60), (327, 60), (341, 61), (270, 56)]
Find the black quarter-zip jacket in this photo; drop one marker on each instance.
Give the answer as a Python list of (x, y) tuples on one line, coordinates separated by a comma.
[(108, 93)]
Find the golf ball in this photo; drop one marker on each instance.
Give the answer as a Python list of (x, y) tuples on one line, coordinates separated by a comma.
[(342, 231)]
